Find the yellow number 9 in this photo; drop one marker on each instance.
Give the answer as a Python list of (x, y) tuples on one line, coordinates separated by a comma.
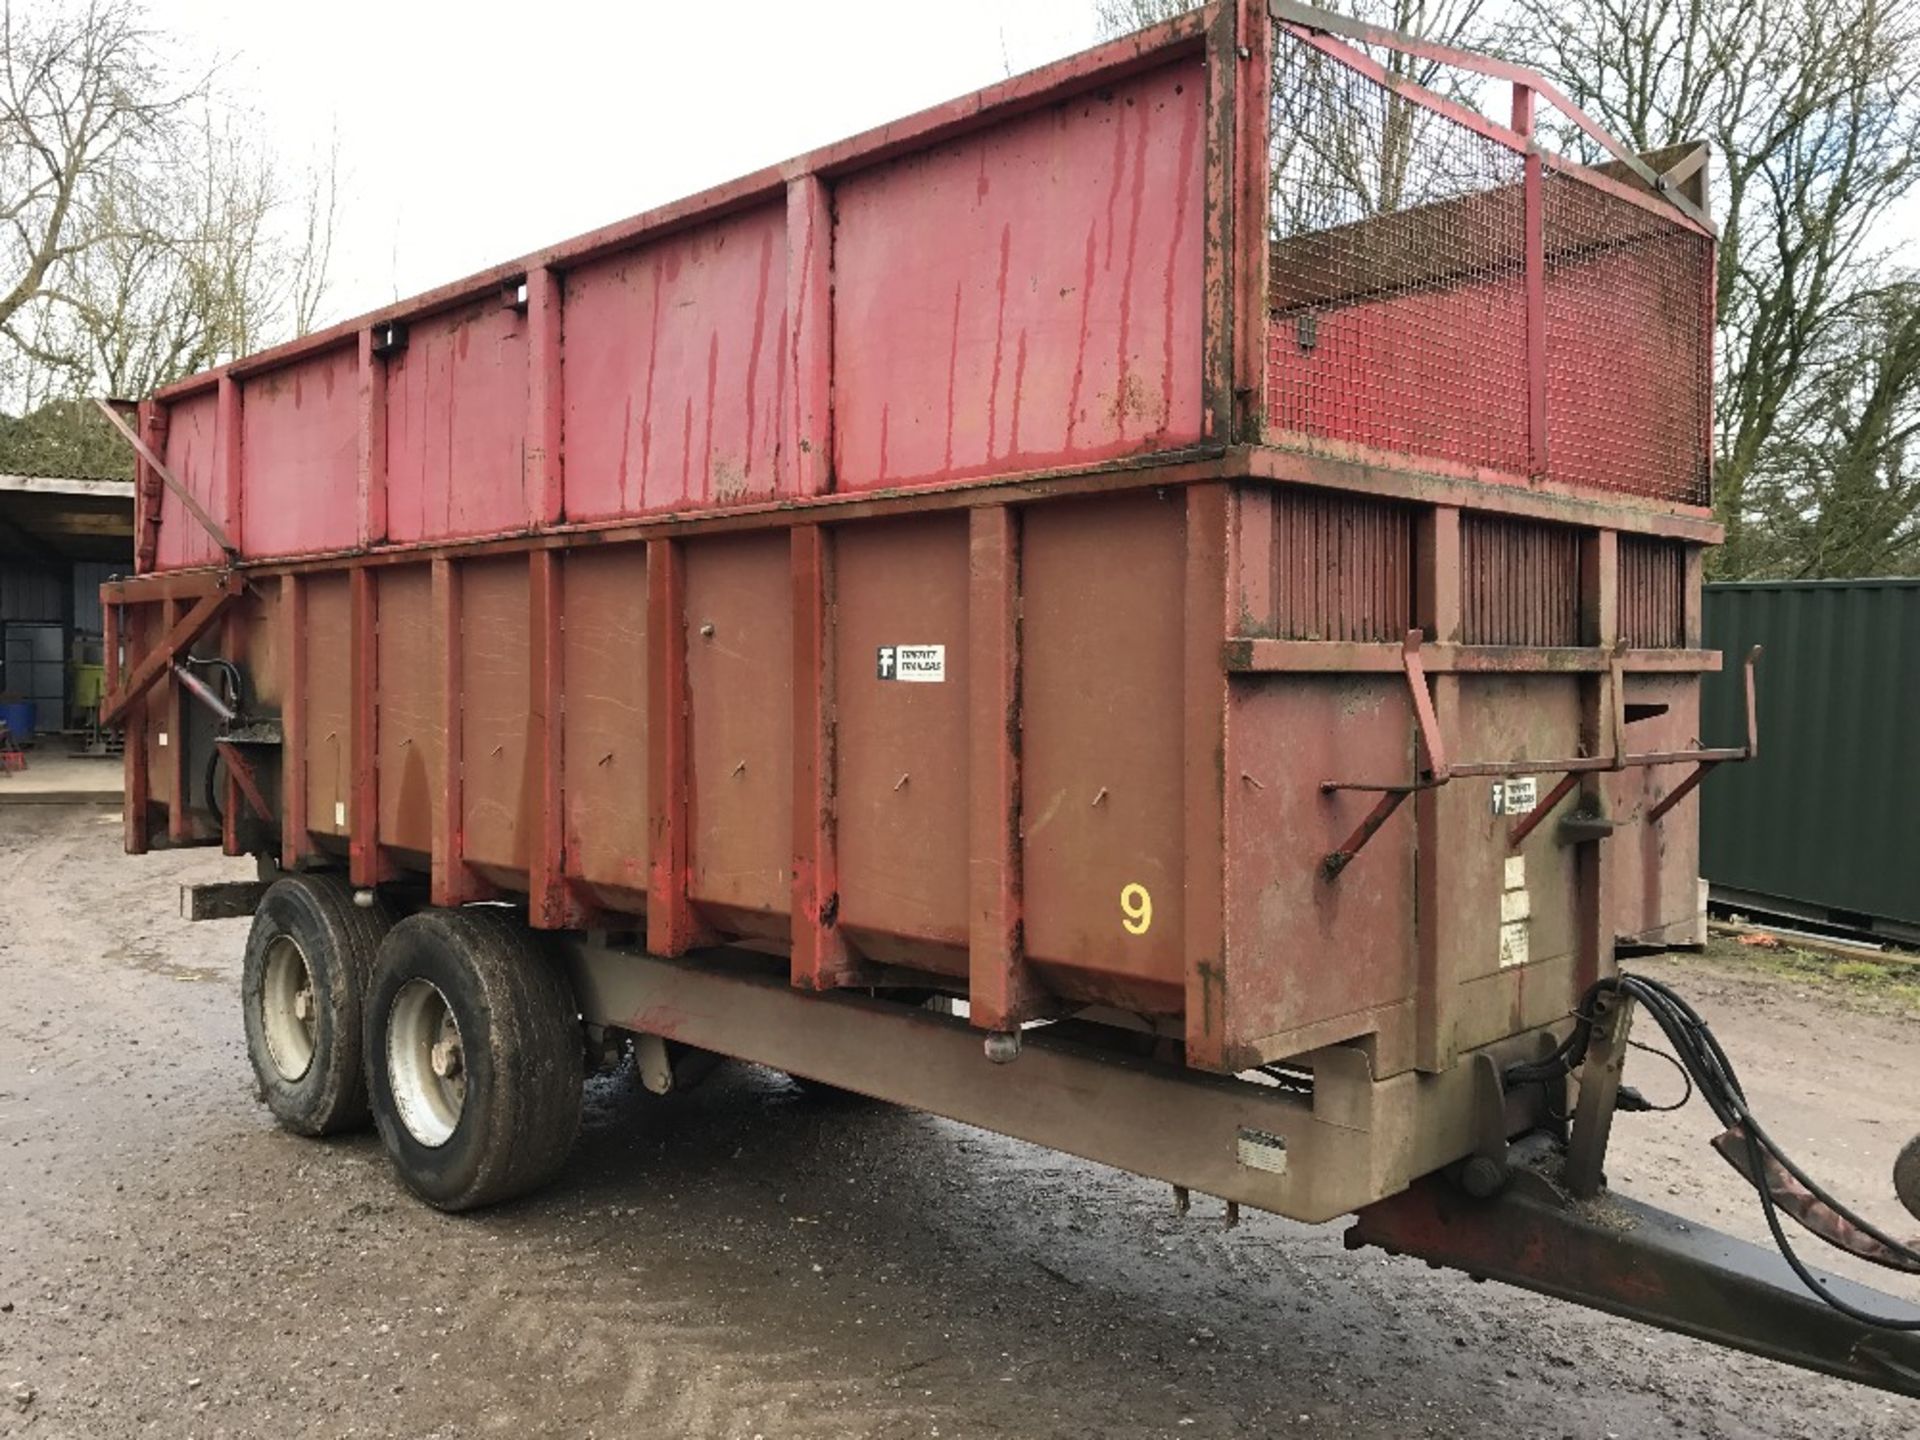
[(1136, 908)]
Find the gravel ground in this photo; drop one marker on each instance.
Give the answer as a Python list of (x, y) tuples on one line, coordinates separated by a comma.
[(743, 1261)]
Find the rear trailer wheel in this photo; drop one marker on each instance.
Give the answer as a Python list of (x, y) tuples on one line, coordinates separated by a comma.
[(474, 1057), (308, 962)]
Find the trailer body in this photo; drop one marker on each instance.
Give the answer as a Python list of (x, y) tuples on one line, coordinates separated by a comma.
[(1083, 550)]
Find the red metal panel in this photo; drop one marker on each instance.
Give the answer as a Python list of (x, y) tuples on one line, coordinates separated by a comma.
[(1653, 592), (675, 386), (498, 814), (192, 454), (1028, 296), (1285, 918), (300, 429), (1102, 751), (1342, 567), (1520, 582), (456, 422), (410, 739), (607, 724), (739, 638), (902, 780), (327, 676)]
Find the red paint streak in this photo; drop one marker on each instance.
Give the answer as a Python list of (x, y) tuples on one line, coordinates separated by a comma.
[(646, 409), (1080, 349), (999, 340), (1119, 169), (779, 408), (799, 329), (982, 185), (1124, 360), (626, 447), (753, 352), (1019, 384), (1189, 136), (953, 374), (886, 413), (686, 451), (713, 390)]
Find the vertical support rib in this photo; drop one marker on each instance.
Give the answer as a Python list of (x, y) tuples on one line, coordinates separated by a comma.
[(1534, 226), (820, 957), (1217, 345), (231, 800), (363, 860), (1204, 709), (552, 904), (1601, 706), (228, 501), (139, 780), (293, 723), (670, 925), (152, 417), (1250, 262), (1435, 872), (545, 480), (174, 723), (371, 477), (1001, 989), (810, 355)]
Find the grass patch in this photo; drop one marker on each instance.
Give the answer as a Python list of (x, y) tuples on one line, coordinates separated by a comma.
[(1889, 982)]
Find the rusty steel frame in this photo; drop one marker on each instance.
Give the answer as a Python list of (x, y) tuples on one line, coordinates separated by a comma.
[(1356, 1138), (1625, 1258), (1438, 770), (1310, 22), (181, 632)]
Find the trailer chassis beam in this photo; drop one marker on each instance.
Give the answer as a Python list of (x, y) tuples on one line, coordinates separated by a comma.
[(1614, 1254)]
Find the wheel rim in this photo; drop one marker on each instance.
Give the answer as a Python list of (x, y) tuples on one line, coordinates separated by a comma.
[(426, 1063), (287, 1010)]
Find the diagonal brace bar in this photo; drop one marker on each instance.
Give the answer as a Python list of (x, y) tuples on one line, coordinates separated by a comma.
[(194, 507), (159, 660)]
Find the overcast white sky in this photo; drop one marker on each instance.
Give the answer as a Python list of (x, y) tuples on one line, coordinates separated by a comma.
[(472, 133)]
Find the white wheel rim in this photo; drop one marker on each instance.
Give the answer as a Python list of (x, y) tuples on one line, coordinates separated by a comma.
[(426, 1063), (287, 1008)]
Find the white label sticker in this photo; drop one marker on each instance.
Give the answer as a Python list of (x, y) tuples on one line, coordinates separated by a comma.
[(1513, 944), (924, 664), (340, 814), (1516, 796), (1262, 1151), (163, 739)]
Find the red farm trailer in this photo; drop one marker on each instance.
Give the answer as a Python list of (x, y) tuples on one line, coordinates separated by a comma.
[(1154, 609)]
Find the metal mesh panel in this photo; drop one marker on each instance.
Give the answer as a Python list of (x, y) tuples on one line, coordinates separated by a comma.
[(1398, 287), (1398, 260), (1628, 349)]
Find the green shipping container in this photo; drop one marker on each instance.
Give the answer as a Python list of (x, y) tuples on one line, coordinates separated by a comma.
[(1825, 825)]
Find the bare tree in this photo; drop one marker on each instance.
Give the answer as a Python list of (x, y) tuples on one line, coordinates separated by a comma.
[(180, 244), (1814, 115), (81, 92)]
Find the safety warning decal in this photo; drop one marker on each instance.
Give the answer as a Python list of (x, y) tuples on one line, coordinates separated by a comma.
[(924, 664)]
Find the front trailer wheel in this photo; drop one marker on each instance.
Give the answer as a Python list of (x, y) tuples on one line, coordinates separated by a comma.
[(473, 1057), (309, 959)]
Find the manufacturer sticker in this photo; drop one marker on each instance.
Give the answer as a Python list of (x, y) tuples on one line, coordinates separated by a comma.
[(920, 664), (1516, 910), (1262, 1151), (1517, 796)]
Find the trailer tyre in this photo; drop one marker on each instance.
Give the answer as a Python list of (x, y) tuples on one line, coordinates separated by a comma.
[(308, 963), (473, 1057)]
